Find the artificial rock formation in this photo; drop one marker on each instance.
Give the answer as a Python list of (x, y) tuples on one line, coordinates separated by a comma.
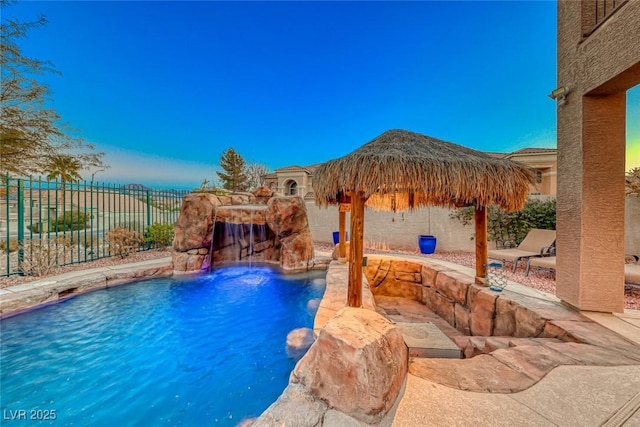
[(298, 342), (356, 367), (259, 227), (355, 382)]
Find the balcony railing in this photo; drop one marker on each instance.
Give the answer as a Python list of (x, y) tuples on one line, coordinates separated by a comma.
[(595, 12)]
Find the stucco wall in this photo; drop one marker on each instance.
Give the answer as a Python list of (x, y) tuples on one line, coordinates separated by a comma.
[(632, 226), (401, 230), (598, 69), (396, 231)]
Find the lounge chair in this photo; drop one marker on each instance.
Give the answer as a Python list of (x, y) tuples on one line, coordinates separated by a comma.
[(538, 242), (631, 270), (547, 262)]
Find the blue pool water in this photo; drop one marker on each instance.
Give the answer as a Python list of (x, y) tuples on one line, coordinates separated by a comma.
[(208, 350)]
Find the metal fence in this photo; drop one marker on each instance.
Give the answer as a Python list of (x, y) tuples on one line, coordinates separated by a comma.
[(66, 222)]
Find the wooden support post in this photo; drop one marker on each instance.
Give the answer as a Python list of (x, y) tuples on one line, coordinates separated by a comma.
[(481, 244), (342, 248), (354, 292)]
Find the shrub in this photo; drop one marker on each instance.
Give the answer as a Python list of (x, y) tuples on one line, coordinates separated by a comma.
[(159, 235), (122, 241), (9, 245), (34, 227), (40, 256), (70, 221), (510, 228)]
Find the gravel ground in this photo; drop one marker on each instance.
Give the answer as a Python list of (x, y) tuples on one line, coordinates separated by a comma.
[(538, 279), (103, 262)]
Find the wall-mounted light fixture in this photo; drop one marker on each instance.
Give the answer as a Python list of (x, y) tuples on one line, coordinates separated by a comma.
[(560, 94)]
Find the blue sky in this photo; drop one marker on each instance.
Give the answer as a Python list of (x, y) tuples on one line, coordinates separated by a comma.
[(165, 87)]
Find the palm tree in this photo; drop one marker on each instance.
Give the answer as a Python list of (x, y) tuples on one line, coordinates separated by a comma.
[(67, 169)]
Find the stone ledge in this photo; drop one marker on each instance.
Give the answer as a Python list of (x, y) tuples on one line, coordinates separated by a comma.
[(516, 338), (335, 295), (426, 340), (20, 298), (478, 311)]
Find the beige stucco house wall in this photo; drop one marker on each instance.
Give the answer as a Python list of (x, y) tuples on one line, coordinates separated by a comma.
[(544, 161), (598, 53), (292, 181)]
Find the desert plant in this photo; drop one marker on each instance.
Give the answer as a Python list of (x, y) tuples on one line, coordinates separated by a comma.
[(40, 256), (632, 182), (9, 245), (122, 241), (159, 235), (510, 228)]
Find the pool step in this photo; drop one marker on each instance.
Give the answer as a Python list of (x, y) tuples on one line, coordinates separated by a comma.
[(426, 340)]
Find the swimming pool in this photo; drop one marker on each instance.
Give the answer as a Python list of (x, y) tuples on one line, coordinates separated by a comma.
[(171, 351)]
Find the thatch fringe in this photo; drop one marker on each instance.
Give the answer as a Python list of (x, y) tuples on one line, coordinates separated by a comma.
[(402, 170)]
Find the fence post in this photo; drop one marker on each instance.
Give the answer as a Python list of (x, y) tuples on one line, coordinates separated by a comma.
[(148, 216), (20, 222), (148, 208)]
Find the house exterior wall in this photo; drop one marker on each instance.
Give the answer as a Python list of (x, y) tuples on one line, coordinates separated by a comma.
[(547, 165), (598, 69), (281, 179)]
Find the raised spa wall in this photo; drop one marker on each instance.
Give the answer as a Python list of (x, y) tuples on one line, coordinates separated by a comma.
[(470, 308), (242, 227)]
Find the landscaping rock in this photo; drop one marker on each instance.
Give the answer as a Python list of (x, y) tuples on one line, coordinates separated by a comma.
[(295, 407), (298, 342), (263, 194), (454, 286), (195, 223), (482, 308), (296, 251), (357, 364), (287, 216)]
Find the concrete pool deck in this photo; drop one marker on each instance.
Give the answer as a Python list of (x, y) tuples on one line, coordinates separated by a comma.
[(580, 394)]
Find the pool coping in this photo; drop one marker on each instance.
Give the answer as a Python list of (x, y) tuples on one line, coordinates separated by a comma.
[(53, 289)]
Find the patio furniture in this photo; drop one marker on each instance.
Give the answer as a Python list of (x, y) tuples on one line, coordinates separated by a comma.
[(631, 270), (537, 243), (547, 262)]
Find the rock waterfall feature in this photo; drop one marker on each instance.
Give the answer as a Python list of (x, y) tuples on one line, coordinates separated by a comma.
[(243, 227)]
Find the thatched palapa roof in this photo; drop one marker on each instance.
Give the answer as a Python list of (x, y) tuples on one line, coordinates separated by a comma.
[(401, 169)]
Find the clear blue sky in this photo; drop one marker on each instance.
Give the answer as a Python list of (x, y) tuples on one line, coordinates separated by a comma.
[(165, 87)]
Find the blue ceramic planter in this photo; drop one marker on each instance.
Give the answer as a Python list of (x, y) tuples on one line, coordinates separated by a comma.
[(427, 244)]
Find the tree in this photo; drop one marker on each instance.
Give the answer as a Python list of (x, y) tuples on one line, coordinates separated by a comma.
[(234, 177), (255, 173), (31, 134), (65, 167), (632, 182)]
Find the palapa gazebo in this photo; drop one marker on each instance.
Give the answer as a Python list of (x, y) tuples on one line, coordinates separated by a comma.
[(402, 170)]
